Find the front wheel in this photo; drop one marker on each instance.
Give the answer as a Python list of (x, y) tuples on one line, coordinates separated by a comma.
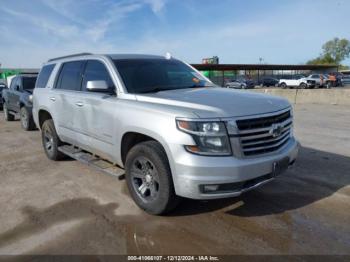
[(27, 121), (8, 116), (284, 85), (302, 85), (149, 180), (51, 141)]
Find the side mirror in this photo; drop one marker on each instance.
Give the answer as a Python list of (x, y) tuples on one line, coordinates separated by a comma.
[(17, 88), (97, 86)]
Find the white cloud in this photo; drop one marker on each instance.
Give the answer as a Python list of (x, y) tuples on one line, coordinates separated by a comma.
[(156, 5), (288, 35)]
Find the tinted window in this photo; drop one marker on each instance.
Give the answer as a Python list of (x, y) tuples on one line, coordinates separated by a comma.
[(28, 83), (150, 75), (70, 76), (95, 70), (44, 76)]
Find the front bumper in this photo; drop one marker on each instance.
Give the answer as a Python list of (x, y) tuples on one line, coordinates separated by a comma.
[(192, 172)]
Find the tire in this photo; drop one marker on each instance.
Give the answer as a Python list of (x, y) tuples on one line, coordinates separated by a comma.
[(283, 85), (302, 85), (51, 141), (242, 87), (227, 86), (27, 121), (149, 179), (328, 85), (8, 116)]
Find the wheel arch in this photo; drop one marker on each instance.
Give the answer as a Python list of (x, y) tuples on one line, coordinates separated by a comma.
[(145, 134), (43, 115), (134, 137)]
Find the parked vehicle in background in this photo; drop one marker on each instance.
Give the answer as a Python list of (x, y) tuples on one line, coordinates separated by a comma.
[(268, 81), (297, 82), (240, 84), (346, 80), (18, 100), (173, 131), (321, 80), (2, 86)]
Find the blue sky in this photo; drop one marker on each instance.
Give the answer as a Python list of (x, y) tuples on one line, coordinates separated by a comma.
[(236, 31)]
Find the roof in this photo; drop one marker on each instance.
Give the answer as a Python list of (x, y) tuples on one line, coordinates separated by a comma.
[(134, 56), (222, 67), (112, 56)]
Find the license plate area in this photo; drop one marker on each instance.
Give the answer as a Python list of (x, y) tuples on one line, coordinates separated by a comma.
[(280, 166)]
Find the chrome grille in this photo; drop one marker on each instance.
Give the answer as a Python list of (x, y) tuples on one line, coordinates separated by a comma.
[(262, 135)]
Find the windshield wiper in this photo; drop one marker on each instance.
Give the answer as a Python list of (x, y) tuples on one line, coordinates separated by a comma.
[(154, 90), (168, 88)]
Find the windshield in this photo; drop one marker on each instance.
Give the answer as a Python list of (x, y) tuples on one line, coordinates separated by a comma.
[(28, 83), (154, 75)]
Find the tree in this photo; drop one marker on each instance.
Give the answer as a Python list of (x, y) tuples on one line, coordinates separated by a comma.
[(337, 49), (334, 51)]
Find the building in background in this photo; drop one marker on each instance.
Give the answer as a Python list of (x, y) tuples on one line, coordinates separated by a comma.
[(222, 73)]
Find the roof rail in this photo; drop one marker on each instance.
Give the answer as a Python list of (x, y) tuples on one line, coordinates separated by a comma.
[(67, 56)]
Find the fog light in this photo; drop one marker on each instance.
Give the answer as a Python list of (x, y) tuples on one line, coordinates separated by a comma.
[(210, 188)]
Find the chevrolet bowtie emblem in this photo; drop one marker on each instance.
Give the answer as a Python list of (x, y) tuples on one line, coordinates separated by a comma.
[(276, 130)]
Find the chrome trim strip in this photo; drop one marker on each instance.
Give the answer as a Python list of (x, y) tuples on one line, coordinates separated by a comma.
[(266, 147), (245, 138), (285, 123), (266, 141)]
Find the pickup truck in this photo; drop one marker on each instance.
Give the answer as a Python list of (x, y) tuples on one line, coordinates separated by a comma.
[(2, 87), (18, 100), (297, 81), (170, 129)]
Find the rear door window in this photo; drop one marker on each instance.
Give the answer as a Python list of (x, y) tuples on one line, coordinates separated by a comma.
[(44, 76), (70, 76), (96, 70)]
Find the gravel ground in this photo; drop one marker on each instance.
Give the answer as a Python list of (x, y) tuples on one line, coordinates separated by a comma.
[(68, 208)]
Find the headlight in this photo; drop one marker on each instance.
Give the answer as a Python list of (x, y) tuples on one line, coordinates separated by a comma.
[(30, 98), (211, 137)]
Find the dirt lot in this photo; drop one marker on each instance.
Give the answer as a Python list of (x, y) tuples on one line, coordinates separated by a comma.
[(67, 208)]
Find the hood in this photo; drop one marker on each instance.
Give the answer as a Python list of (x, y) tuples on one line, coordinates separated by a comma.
[(217, 102)]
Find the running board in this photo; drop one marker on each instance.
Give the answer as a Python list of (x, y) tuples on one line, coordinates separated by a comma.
[(93, 161)]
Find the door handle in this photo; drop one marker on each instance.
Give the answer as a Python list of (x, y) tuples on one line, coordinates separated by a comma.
[(80, 104), (53, 99)]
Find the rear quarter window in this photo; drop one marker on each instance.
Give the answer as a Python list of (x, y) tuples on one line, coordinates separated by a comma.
[(44, 76)]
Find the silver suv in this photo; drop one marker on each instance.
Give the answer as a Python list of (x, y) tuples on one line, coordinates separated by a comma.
[(171, 129)]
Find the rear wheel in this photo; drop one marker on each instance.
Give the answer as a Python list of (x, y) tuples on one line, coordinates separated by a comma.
[(149, 178), (8, 116), (227, 86), (27, 121), (51, 141)]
